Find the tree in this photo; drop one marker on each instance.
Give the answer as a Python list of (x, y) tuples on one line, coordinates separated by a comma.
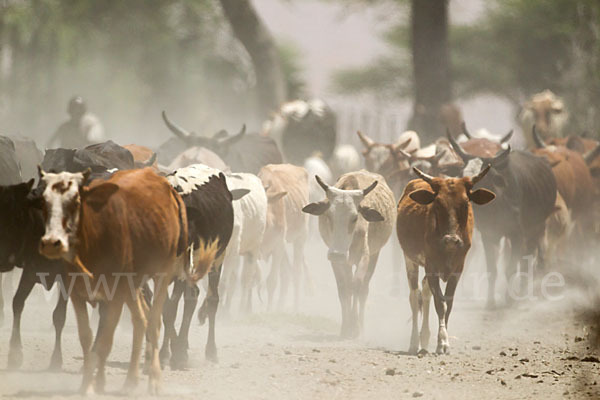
[(256, 39), (431, 65)]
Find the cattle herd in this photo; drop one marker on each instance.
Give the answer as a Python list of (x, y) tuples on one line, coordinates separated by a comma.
[(115, 225)]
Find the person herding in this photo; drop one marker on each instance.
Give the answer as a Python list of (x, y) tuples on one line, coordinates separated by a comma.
[(82, 129)]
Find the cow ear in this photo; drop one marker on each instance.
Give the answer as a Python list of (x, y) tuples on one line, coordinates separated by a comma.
[(237, 194), (422, 196), (370, 214), (97, 196), (595, 172), (25, 188), (273, 197), (481, 196), (316, 208)]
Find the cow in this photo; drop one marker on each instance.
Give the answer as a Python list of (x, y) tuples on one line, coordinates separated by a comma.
[(10, 174), (525, 191), (435, 228), (29, 156), (574, 181), (249, 225), (135, 224), (547, 112), (208, 202), (22, 227), (484, 142), (142, 156), (241, 152), (301, 128), (392, 161), (345, 158), (355, 221), (286, 187), (198, 155)]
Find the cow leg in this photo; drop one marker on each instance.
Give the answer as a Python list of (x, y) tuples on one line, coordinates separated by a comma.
[(286, 273), (59, 317), (85, 338), (145, 300), (511, 269), (161, 287), (443, 346), (106, 333), (15, 353), (343, 280), (491, 249), (1, 300), (426, 300), (363, 289), (180, 344), (212, 304), (412, 273), (274, 274), (229, 283), (139, 322), (300, 271), (449, 295), (396, 269), (169, 317), (249, 273)]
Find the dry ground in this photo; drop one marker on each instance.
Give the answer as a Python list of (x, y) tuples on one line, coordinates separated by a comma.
[(532, 351)]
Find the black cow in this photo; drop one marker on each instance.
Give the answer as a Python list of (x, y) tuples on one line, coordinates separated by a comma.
[(210, 216), (10, 174), (525, 190), (22, 227), (29, 156), (241, 152)]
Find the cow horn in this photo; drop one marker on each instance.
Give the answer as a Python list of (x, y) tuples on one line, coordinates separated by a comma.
[(592, 154), (322, 184), (507, 137), (481, 174), (501, 156), (232, 139), (438, 156), (457, 148), (539, 142), (403, 145), (426, 177), (465, 131), (368, 190), (177, 130), (150, 161), (366, 141)]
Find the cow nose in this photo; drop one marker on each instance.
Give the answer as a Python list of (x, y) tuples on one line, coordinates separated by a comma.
[(50, 246), (453, 240), (337, 256)]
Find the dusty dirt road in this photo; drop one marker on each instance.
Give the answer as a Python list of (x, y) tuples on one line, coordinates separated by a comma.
[(535, 350)]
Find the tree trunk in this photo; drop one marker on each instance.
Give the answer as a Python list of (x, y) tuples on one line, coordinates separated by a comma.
[(431, 66), (255, 37)]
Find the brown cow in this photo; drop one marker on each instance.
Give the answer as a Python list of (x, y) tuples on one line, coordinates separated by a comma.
[(435, 227), (546, 111), (286, 186), (116, 234), (142, 156)]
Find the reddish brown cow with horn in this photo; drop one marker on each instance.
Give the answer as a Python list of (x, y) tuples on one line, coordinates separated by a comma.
[(435, 227)]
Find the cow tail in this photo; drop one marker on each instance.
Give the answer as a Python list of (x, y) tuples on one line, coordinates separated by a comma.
[(182, 243), (203, 262)]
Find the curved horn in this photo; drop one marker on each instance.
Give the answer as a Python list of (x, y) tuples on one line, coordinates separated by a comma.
[(438, 156), (427, 178), (591, 155), (507, 137), (465, 131), (322, 184), (234, 138), (501, 156), (539, 142), (366, 141), (370, 188), (150, 161), (177, 130), (402, 146), (480, 175), (457, 148)]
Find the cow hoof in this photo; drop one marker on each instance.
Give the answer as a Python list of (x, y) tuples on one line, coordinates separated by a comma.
[(412, 350), (164, 356), (153, 387), (211, 355), (443, 348), (129, 386), (15, 359), (179, 361), (56, 363)]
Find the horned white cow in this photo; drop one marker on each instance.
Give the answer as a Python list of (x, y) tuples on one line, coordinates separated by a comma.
[(547, 112), (355, 220)]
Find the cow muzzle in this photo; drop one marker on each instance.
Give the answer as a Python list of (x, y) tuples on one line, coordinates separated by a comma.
[(337, 256), (452, 241), (53, 247)]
